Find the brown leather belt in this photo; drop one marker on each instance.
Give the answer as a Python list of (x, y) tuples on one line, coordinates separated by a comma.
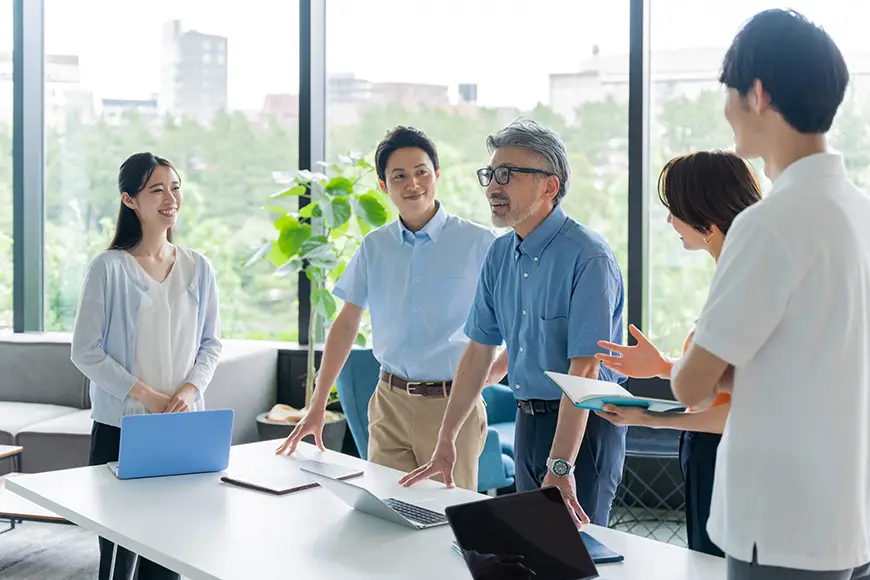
[(418, 388)]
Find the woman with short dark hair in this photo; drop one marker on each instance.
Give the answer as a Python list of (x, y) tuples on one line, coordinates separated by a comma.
[(704, 192)]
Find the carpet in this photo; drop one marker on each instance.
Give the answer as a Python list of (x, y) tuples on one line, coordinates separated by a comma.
[(40, 551)]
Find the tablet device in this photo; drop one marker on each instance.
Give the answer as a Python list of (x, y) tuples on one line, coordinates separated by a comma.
[(284, 481)]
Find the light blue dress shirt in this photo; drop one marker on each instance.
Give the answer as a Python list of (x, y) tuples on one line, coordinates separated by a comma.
[(104, 336), (551, 298), (419, 288)]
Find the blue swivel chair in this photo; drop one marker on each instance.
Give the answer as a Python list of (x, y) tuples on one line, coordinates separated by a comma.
[(357, 383)]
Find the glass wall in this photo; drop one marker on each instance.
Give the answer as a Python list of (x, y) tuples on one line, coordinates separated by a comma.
[(5, 164), (214, 93), (688, 42), (457, 74)]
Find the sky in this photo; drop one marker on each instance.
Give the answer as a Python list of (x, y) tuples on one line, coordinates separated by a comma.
[(508, 47)]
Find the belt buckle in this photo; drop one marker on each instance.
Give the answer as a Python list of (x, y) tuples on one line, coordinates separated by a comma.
[(409, 385)]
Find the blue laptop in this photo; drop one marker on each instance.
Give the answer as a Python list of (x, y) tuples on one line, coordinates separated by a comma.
[(174, 444)]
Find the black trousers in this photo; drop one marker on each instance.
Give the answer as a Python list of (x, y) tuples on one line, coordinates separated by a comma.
[(598, 466), (698, 463), (105, 442)]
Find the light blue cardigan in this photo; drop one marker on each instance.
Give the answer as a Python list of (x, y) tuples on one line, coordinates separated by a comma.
[(104, 336)]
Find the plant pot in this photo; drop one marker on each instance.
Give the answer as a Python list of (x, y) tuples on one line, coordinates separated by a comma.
[(333, 431)]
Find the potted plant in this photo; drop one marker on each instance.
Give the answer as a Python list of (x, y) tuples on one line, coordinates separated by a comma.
[(319, 238)]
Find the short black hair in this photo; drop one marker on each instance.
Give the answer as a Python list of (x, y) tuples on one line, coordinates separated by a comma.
[(708, 188), (798, 64), (401, 138)]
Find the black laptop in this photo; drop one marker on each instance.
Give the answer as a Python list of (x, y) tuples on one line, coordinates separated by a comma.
[(521, 536)]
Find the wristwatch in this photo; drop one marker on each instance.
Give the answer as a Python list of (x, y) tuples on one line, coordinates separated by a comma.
[(560, 467)]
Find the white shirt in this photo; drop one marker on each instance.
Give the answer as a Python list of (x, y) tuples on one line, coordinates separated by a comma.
[(789, 307), (166, 346)]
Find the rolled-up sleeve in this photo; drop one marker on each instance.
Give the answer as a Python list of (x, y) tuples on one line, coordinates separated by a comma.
[(352, 286), (596, 294), (482, 324)]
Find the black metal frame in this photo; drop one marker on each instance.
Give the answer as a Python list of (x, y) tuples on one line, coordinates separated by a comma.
[(28, 157)]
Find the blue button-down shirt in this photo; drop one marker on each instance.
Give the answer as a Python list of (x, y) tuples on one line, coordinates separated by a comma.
[(551, 298), (419, 288)]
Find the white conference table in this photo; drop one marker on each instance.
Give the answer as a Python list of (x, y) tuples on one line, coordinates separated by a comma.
[(209, 530)]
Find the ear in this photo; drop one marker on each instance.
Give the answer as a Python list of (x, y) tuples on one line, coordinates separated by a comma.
[(759, 99), (551, 190), (383, 186), (437, 175), (129, 201)]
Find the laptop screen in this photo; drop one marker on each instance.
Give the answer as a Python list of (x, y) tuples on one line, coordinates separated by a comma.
[(522, 535)]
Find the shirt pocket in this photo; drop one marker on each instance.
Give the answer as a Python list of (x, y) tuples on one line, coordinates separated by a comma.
[(554, 340)]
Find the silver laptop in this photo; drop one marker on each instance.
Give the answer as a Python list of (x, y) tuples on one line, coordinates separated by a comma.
[(390, 509)]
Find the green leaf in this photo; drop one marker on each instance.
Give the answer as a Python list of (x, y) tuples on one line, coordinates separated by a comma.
[(307, 176), (295, 190), (315, 274), (308, 211), (336, 272), (292, 266), (319, 252), (284, 222), (276, 256), (323, 303), (275, 209), (360, 340), (338, 186), (364, 226), (337, 212), (371, 209), (312, 244), (258, 255), (293, 236)]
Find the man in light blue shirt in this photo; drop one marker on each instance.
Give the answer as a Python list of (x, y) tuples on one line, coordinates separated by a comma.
[(417, 277), (551, 289)]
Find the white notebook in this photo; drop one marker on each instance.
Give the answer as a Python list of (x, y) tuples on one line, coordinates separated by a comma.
[(593, 394)]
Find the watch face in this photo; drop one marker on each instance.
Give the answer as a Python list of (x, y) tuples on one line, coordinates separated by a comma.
[(560, 468)]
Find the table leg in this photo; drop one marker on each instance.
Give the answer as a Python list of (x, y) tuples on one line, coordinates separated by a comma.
[(114, 556)]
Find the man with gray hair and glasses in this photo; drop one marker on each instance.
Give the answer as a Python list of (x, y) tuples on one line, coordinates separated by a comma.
[(550, 290)]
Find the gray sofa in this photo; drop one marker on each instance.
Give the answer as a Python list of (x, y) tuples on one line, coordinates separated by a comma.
[(45, 406)]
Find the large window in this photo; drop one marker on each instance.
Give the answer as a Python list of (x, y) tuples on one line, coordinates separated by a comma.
[(5, 165), (214, 93), (688, 42), (458, 74)]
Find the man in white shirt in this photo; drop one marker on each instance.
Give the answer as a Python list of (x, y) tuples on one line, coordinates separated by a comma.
[(787, 323)]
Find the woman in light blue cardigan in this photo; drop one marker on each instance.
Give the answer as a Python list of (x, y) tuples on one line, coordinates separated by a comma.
[(147, 331)]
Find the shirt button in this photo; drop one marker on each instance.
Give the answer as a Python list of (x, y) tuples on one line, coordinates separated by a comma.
[(416, 309), (416, 279), (521, 349), (535, 258), (525, 274), (524, 312), (517, 386)]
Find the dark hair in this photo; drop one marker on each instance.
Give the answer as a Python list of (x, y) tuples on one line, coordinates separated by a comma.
[(401, 138), (707, 188), (132, 177), (798, 64)]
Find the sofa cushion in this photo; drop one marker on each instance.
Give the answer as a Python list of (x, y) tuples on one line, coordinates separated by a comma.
[(37, 369), (16, 417), (59, 443), (506, 432)]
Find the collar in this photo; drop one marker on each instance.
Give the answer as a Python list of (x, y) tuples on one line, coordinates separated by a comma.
[(810, 168), (542, 235), (432, 229)]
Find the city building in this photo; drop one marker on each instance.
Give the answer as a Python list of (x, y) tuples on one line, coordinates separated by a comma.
[(194, 77), (115, 110), (65, 97)]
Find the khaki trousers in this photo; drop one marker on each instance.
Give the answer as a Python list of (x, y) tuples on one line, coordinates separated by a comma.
[(403, 432)]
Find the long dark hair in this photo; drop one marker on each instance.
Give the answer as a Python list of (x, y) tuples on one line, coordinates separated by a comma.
[(708, 187), (132, 177)]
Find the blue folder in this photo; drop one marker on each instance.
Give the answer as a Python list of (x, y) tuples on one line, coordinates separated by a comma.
[(600, 553)]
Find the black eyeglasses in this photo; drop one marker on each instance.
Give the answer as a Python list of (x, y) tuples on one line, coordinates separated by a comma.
[(502, 174)]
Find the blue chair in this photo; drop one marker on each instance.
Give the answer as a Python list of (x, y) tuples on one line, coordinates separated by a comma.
[(357, 383)]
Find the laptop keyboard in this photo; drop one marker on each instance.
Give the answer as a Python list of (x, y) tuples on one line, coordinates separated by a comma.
[(415, 513)]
